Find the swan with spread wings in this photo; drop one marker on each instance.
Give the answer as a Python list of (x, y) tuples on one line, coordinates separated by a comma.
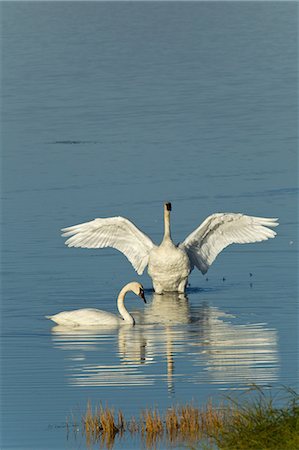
[(169, 265)]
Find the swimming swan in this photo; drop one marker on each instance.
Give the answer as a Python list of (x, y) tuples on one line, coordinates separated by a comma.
[(97, 317), (169, 265)]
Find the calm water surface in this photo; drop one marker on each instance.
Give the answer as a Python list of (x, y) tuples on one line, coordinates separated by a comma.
[(110, 109)]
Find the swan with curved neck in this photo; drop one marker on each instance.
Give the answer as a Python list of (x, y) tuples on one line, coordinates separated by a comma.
[(97, 317), (169, 265)]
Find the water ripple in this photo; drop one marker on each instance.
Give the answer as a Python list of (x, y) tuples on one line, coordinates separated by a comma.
[(213, 347)]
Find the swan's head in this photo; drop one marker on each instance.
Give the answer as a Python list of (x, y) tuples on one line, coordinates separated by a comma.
[(137, 288), (167, 206)]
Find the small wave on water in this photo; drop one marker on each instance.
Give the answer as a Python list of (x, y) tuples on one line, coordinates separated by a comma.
[(221, 350)]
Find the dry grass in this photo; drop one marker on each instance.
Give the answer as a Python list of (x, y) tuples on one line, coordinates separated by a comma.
[(152, 428), (181, 423), (256, 424), (100, 425)]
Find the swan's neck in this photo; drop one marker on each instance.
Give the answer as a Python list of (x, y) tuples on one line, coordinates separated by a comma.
[(121, 307), (167, 234)]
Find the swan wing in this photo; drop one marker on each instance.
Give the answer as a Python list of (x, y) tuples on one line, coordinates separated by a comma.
[(222, 229), (116, 232)]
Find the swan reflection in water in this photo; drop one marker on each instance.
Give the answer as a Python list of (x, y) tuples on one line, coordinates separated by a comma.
[(196, 344)]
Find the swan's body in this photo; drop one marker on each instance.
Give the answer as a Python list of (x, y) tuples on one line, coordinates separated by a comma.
[(97, 317), (169, 265)]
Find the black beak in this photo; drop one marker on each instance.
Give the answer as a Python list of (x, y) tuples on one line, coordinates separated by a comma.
[(168, 206), (141, 294)]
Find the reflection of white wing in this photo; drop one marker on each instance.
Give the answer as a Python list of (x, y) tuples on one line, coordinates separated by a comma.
[(213, 349), (116, 232), (238, 354), (222, 229)]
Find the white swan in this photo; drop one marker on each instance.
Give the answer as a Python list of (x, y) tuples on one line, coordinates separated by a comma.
[(97, 317), (169, 265)]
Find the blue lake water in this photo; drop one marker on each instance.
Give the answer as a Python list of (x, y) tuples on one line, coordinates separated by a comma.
[(110, 109)]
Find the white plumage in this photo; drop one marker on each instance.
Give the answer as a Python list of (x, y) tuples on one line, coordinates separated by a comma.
[(116, 232), (169, 265), (87, 317), (222, 229)]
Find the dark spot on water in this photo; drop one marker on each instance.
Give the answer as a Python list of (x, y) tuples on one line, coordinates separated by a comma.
[(250, 274), (223, 279), (195, 290), (71, 142)]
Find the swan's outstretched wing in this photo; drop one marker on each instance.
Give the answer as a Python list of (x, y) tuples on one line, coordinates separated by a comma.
[(116, 232), (222, 229)]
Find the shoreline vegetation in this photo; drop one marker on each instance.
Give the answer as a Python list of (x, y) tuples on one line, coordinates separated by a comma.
[(259, 422)]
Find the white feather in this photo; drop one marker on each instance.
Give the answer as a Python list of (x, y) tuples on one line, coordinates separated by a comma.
[(116, 232), (169, 265), (96, 317), (222, 229)]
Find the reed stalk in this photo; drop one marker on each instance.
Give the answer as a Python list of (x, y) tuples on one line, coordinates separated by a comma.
[(255, 424)]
